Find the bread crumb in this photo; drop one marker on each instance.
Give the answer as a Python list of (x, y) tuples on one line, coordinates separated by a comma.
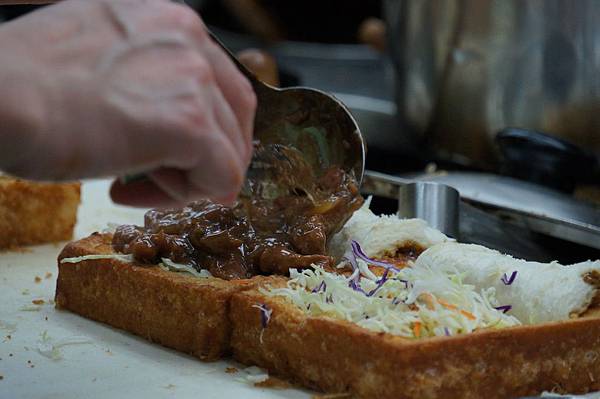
[(16, 248), (37, 279), (273, 382), (170, 386), (48, 275), (332, 396), (231, 370), (38, 302)]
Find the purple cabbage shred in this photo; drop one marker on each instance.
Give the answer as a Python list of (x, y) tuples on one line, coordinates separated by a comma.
[(509, 280), (321, 287), (503, 308), (359, 253)]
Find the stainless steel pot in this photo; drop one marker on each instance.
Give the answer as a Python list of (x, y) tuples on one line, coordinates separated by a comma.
[(468, 68)]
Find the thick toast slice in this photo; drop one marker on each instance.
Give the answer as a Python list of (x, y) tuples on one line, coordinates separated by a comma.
[(337, 356), (179, 311), (210, 318), (36, 213)]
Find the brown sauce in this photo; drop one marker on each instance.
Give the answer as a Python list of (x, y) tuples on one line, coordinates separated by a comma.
[(255, 236), (401, 257)]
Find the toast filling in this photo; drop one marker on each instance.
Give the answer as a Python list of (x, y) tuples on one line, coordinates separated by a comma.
[(258, 235), (410, 302)]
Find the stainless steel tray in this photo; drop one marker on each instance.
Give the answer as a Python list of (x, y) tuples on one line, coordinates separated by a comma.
[(519, 203)]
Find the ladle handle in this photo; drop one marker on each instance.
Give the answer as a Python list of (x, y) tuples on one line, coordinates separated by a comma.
[(245, 71)]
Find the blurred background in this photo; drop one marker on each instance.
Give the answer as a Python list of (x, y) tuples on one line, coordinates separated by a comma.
[(502, 88)]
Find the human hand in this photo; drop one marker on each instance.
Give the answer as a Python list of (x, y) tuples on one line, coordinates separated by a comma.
[(122, 86)]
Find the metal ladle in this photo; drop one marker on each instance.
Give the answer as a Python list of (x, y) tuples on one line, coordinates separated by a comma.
[(315, 123)]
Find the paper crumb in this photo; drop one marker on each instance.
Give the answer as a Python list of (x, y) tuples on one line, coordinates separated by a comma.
[(253, 375), (8, 327), (49, 348)]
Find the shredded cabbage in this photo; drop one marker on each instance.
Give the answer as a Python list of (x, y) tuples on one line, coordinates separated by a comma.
[(166, 263), (414, 303), (77, 259)]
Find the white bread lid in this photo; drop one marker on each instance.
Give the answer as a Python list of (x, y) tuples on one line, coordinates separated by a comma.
[(540, 292), (380, 235)]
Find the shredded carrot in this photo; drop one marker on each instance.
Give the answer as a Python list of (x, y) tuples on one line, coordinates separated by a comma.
[(468, 315), (447, 305), (417, 329), (428, 299)]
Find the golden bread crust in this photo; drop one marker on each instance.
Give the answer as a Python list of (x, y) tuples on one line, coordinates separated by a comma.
[(178, 311), (36, 213), (336, 356)]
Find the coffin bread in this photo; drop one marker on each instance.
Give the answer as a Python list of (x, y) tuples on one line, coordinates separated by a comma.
[(455, 334)]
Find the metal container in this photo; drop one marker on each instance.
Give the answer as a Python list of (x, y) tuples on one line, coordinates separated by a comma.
[(468, 68), (435, 203)]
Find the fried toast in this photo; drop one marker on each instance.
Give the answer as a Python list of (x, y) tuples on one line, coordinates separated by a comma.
[(337, 356), (36, 213), (176, 310)]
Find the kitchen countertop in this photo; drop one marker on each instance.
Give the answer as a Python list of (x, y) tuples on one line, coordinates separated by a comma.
[(48, 353)]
